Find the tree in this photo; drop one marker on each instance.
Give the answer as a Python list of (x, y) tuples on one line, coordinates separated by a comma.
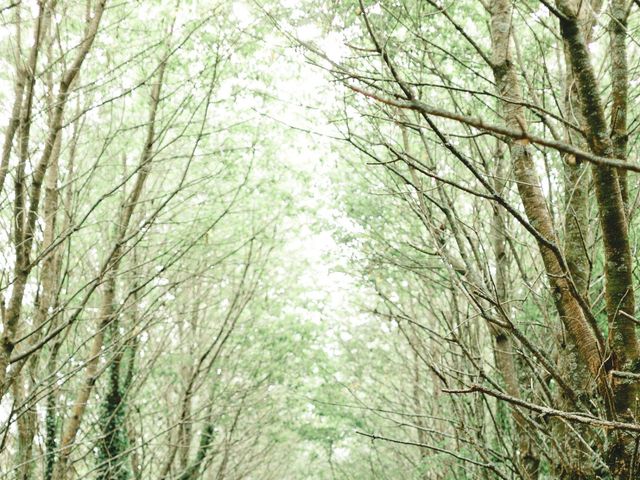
[(414, 101)]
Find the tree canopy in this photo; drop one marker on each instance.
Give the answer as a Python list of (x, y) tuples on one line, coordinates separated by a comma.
[(313, 239)]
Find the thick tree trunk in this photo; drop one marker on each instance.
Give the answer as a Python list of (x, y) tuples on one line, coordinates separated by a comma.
[(619, 88), (619, 294), (576, 240), (569, 309)]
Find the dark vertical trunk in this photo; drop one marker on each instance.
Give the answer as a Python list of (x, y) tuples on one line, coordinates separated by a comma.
[(113, 444), (610, 193)]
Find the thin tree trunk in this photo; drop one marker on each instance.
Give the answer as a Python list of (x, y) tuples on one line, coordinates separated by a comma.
[(109, 287), (25, 222), (14, 119), (503, 349)]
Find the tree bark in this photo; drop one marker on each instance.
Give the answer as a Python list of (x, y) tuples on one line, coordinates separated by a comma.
[(619, 294), (570, 311), (25, 221)]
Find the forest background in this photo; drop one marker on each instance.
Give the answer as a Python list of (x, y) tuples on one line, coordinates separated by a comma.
[(319, 239)]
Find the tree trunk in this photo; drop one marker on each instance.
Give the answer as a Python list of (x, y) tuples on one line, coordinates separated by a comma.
[(619, 294)]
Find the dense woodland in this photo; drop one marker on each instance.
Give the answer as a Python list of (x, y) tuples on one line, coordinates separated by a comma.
[(319, 239)]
